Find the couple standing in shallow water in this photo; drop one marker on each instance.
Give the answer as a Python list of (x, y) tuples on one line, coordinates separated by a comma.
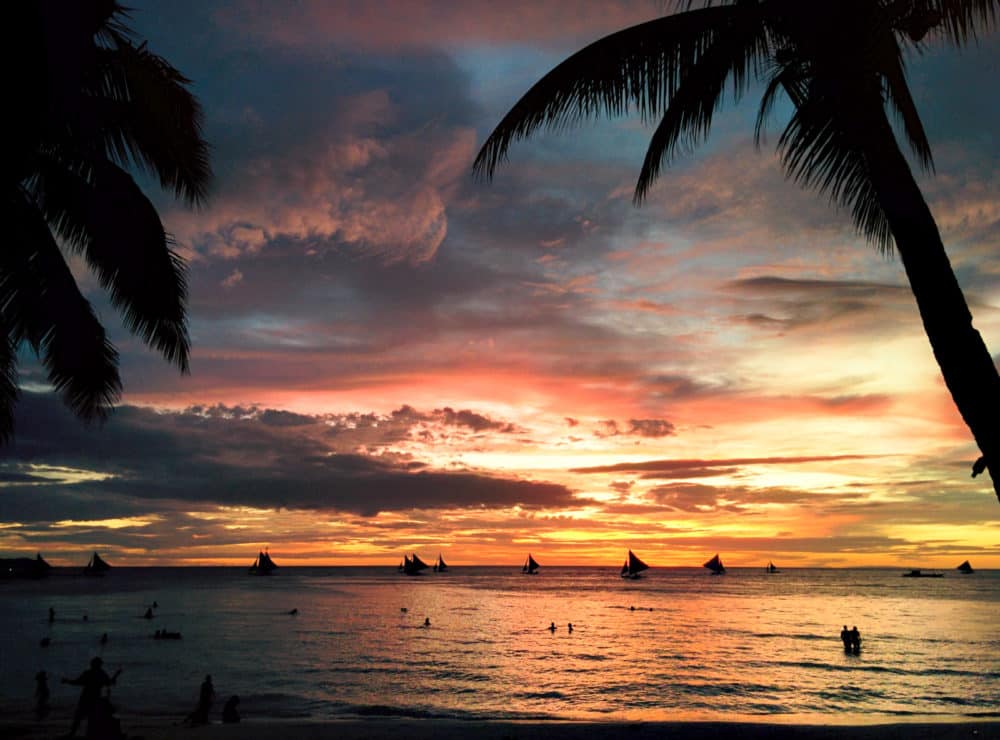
[(851, 639)]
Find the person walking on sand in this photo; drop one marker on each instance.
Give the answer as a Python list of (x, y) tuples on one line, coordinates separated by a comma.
[(92, 680)]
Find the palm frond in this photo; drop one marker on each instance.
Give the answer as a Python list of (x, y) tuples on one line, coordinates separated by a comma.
[(98, 209), (688, 117), (149, 117), (40, 303), (898, 96), (820, 149), (8, 383), (637, 69), (960, 21)]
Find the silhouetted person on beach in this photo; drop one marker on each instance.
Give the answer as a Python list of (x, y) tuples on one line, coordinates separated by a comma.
[(855, 640), (52, 615), (427, 621), (92, 680), (205, 696), (229, 713), (41, 695), (104, 639), (552, 627), (845, 637), (570, 628)]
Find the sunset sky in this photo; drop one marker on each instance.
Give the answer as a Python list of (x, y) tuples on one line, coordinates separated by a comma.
[(390, 355)]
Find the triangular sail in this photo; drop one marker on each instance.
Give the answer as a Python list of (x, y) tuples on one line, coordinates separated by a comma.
[(97, 564), (624, 571), (635, 565), (772, 568), (413, 565), (441, 566), (966, 567), (715, 565), (530, 566)]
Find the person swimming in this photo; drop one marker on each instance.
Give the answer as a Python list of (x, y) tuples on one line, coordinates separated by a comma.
[(427, 621), (570, 628), (552, 627)]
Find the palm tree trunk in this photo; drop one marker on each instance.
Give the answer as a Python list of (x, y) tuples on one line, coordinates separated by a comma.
[(966, 364)]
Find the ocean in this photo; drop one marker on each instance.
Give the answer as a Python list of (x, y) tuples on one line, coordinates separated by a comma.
[(677, 644)]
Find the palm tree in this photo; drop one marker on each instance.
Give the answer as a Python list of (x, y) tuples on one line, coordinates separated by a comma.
[(841, 65), (87, 102)]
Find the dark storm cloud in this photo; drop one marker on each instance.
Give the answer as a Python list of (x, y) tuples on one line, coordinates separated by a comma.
[(159, 459)]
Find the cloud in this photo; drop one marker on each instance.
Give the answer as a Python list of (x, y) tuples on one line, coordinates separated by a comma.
[(419, 23), (238, 457), (700, 468)]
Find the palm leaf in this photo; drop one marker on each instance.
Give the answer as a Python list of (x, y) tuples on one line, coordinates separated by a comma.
[(99, 210), (735, 53), (40, 303), (148, 117), (639, 68)]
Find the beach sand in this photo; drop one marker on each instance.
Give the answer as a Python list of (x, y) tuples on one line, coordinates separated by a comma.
[(419, 729)]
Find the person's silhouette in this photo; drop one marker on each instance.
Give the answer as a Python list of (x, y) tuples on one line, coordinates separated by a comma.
[(205, 696), (92, 681), (229, 713), (41, 694), (855, 639)]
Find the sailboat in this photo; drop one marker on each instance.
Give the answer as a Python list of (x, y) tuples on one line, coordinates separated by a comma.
[(633, 566), (440, 566), (96, 566), (965, 568), (413, 565), (530, 566), (24, 567), (715, 565), (263, 565), (771, 567)]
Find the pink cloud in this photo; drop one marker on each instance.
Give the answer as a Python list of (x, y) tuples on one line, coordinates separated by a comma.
[(427, 23)]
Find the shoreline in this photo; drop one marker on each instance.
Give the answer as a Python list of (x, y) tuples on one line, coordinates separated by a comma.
[(377, 728)]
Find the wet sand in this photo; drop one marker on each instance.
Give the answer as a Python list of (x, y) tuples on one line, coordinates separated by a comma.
[(424, 729)]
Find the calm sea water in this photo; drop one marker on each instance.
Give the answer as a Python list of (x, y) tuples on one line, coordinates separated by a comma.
[(744, 645)]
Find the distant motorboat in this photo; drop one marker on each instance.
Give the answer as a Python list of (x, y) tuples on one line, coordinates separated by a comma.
[(263, 565), (530, 566), (413, 565), (440, 566), (96, 567), (715, 565), (35, 567), (965, 568), (920, 574), (633, 566), (772, 568)]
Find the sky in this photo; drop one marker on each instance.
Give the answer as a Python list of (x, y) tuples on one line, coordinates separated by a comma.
[(392, 356)]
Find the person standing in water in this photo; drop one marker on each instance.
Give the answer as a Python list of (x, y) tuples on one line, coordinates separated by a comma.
[(92, 681), (41, 695), (205, 696)]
